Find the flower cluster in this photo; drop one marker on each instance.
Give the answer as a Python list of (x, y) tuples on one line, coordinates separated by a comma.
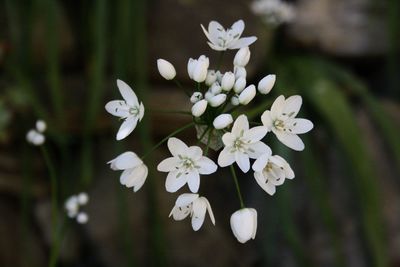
[(217, 99), (36, 136), (72, 207), (274, 12)]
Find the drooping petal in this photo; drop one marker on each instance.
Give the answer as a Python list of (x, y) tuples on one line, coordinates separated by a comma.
[(127, 93), (242, 161), (199, 213), (193, 180), (257, 149), (140, 174), (175, 181), (243, 42), (176, 146), (117, 108), (180, 213), (207, 166), (210, 212), (225, 157), (290, 140), (255, 134), (185, 199), (277, 107), (127, 127), (168, 164), (292, 106), (240, 125), (299, 126), (261, 162), (126, 160)]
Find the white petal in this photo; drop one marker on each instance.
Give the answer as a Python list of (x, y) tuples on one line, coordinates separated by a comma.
[(176, 146), (180, 213), (214, 31), (277, 107), (266, 120), (300, 126), (238, 27), (168, 164), (255, 134), (117, 108), (292, 105), (185, 199), (141, 111), (193, 180), (127, 93), (257, 149), (199, 213), (290, 140), (174, 181), (141, 173), (243, 42), (261, 162), (207, 166), (210, 212), (126, 160), (225, 157), (127, 127), (199, 108), (242, 161), (228, 139), (240, 125), (193, 152)]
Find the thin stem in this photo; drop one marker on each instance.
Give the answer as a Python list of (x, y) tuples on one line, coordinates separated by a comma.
[(208, 142), (167, 137), (55, 252), (221, 56), (203, 134), (171, 111), (180, 86), (237, 187)]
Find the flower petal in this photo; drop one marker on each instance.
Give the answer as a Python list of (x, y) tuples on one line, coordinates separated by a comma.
[(255, 134), (290, 140), (243, 42), (292, 106), (238, 27), (267, 120), (261, 162), (228, 139), (210, 212), (299, 126), (257, 149), (199, 213), (277, 107), (193, 180), (176, 146), (180, 213), (225, 157), (194, 152), (118, 108), (168, 164), (185, 199), (174, 181), (207, 166), (240, 124), (126, 160), (242, 161), (127, 127), (214, 31), (127, 93)]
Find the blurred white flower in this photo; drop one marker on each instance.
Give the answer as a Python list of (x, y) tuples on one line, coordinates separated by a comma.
[(266, 84), (166, 69), (283, 122), (242, 57), (222, 121), (36, 136), (271, 171), (244, 224), (41, 126), (82, 218), (134, 170), (199, 108), (185, 166), (198, 68), (193, 205), (274, 12), (242, 143), (221, 39), (73, 204), (128, 109)]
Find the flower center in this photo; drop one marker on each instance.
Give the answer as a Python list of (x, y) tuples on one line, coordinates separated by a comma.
[(239, 144), (134, 111), (279, 125)]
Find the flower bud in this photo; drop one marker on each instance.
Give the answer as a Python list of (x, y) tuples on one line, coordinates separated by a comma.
[(196, 97), (197, 68), (216, 88), (219, 76), (247, 94), (228, 80), (199, 108), (244, 224), (211, 77), (240, 84), (83, 198), (222, 121), (217, 100), (235, 100), (240, 72), (166, 69), (41, 126), (208, 95), (242, 57), (82, 218), (266, 84)]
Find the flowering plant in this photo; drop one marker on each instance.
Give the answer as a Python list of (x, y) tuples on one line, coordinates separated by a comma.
[(217, 97)]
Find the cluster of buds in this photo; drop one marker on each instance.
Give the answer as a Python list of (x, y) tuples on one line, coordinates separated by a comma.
[(216, 97), (36, 136), (73, 205)]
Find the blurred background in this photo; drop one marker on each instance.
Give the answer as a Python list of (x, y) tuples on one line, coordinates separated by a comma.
[(59, 61)]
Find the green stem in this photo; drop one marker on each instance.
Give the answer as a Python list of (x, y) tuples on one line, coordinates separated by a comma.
[(167, 137), (221, 56), (208, 142), (55, 252), (237, 187)]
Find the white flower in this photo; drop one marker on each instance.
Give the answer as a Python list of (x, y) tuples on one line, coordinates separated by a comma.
[(166, 69), (247, 94), (235, 100), (266, 84), (185, 166), (242, 57), (193, 205), (222, 121), (134, 170), (228, 80), (274, 12), (271, 171), (281, 120), (73, 204), (244, 224), (128, 109), (215, 88), (82, 218), (242, 143), (196, 97), (240, 72), (208, 95), (217, 100), (211, 77), (221, 39), (197, 68), (41, 126), (83, 198), (199, 108), (240, 84), (35, 138)]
